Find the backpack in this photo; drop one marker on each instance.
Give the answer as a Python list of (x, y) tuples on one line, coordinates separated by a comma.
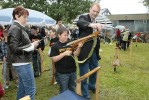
[(125, 36)]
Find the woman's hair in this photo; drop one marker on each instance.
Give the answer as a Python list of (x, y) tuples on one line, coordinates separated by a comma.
[(61, 30), (20, 11)]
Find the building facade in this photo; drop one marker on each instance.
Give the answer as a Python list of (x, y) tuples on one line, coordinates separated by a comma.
[(135, 22)]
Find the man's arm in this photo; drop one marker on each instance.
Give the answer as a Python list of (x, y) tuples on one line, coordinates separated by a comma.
[(83, 22)]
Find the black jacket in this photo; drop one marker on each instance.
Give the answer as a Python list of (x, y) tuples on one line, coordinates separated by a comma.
[(18, 39), (84, 30)]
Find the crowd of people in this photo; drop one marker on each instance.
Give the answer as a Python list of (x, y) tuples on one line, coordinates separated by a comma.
[(20, 49), (125, 37)]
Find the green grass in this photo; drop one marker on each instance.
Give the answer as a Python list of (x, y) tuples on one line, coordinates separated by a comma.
[(129, 82)]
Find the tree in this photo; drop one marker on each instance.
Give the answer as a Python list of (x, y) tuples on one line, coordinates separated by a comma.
[(67, 10), (39, 5), (146, 3), (0, 5)]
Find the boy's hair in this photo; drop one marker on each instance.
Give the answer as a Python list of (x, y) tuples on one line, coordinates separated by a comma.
[(61, 30), (58, 19), (53, 30)]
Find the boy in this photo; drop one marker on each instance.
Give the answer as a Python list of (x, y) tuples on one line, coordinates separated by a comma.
[(53, 40), (64, 64)]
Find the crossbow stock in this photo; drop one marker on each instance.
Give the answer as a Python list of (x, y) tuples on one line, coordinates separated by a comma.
[(75, 43)]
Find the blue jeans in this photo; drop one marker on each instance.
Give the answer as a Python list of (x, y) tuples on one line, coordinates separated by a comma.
[(118, 39), (4, 72), (67, 81), (124, 45), (26, 81), (84, 68)]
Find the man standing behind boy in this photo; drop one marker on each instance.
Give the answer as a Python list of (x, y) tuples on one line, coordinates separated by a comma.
[(87, 26)]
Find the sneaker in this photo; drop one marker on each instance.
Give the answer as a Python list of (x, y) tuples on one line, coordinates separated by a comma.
[(17, 86), (55, 82), (93, 90), (88, 98), (36, 74), (110, 44)]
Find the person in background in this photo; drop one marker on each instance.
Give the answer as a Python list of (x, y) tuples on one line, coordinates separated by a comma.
[(42, 34), (53, 37), (43, 43), (4, 50), (3, 55), (118, 33), (9, 72), (2, 91), (87, 26), (1, 31), (36, 55), (124, 35), (53, 40), (59, 25), (21, 51), (65, 64), (75, 33), (129, 39)]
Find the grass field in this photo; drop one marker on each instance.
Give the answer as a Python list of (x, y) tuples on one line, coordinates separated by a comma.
[(129, 82)]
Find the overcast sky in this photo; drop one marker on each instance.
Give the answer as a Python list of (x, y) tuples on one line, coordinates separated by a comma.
[(124, 6)]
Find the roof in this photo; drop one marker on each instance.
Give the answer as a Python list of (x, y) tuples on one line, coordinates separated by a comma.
[(129, 17), (105, 11), (101, 18)]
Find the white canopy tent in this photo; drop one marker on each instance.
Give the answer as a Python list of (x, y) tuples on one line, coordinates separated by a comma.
[(35, 18)]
